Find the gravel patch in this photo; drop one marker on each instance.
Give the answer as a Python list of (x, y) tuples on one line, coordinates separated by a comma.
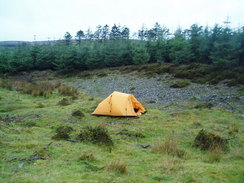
[(157, 90)]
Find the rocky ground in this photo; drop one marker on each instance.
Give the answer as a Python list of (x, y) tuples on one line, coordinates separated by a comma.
[(157, 90)]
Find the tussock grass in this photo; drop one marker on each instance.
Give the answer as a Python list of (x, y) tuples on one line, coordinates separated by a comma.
[(62, 132), (171, 164), (87, 156), (214, 155), (180, 84), (64, 102), (66, 90), (96, 135), (169, 147), (197, 124), (117, 166), (237, 154), (102, 74), (40, 88), (233, 128), (78, 114)]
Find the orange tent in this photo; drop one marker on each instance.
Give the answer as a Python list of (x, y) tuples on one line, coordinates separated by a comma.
[(120, 104)]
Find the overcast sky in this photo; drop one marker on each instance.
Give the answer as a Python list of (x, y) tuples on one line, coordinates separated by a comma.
[(22, 19)]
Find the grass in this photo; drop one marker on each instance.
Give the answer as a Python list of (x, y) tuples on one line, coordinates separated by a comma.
[(180, 84), (63, 132), (95, 135), (117, 166), (169, 147), (214, 155), (197, 73), (171, 157), (87, 156)]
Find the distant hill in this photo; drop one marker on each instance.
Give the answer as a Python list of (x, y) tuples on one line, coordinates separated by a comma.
[(12, 44)]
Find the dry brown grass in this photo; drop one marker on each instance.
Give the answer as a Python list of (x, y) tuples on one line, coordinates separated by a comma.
[(117, 166), (233, 128), (170, 147), (41, 88), (214, 155), (237, 153), (87, 156), (197, 124), (171, 164), (68, 90)]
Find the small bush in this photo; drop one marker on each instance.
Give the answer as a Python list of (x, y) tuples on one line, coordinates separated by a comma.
[(64, 102), (180, 84), (62, 132), (204, 105), (78, 114), (117, 166), (96, 135), (207, 141), (170, 147)]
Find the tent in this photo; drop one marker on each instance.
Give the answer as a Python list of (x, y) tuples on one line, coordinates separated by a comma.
[(120, 104)]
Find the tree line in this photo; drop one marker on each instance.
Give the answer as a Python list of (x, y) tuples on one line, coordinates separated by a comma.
[(115, 46)]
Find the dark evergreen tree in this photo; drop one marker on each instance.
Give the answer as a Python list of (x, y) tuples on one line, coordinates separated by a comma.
[(79, 36), (195, 36), (105, 32), (143, 33), (125, 33), (67, 38), (115, 33), (89, 35), (98, 33)]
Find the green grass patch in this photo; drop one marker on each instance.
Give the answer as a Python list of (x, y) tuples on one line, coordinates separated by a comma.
[(180, 84), (170, 157)]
